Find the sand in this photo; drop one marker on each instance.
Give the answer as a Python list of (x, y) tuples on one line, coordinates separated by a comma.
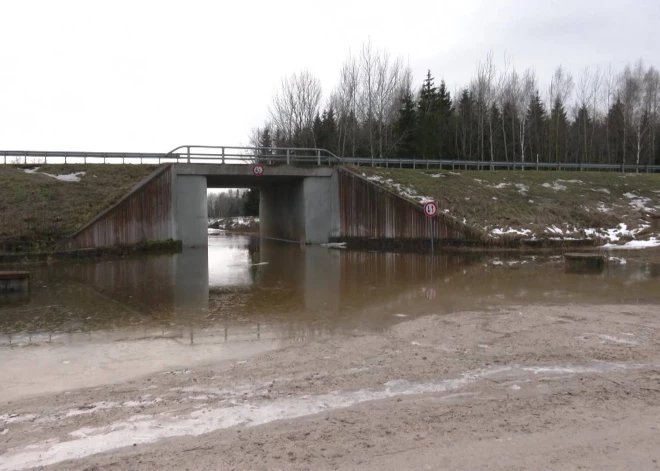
[(529, 387)]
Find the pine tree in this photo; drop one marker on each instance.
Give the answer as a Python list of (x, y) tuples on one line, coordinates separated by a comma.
[(427, 131), (329, 131), (536, 128), (615, 125), (580, 129), (498, 138), (558, 132), (405, 127), (317, 130), (444, 117)]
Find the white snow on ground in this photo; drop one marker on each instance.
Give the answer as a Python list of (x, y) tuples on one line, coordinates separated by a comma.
[(437, 175), (555, 186), (523, 232), (639, 202), (71, 177), (523, 189), (603, 208), (404, 191), (501, 185), (635, 244), (601, 190), (571, 181)]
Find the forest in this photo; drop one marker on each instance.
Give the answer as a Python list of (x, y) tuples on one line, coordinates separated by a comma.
[(376, 110)]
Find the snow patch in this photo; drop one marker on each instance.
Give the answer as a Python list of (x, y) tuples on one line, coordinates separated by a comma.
[(635, 244), (400, 189), (71, 177), (555, 186)]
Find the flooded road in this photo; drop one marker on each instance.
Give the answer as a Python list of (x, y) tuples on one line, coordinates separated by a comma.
[(93, 323), (250, 355)]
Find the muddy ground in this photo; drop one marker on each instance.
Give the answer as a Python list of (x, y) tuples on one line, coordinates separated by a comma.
[(537, 387)]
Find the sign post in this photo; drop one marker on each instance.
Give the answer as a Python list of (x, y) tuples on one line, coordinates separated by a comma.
[(431, 210)]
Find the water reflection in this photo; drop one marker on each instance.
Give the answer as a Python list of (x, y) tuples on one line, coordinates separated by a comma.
[(240, 290)]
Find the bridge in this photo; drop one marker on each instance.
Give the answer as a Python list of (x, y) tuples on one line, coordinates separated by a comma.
[(307, 195)]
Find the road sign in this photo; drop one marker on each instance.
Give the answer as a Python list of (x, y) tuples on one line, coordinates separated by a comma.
[(430, 209), (258, 170)]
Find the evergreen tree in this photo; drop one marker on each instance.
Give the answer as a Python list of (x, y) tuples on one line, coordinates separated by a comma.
[(615, 129), (444, 118), (537, 120), (581, 127), (251, 202), (558, 132), (317, 130), (405, 127), (427, 144), (329, 131), (498, 138)]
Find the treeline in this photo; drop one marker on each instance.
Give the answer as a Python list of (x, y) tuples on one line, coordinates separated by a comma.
[(233, 203), (501, 115)]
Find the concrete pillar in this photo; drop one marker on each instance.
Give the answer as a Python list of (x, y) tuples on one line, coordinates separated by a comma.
[(190, 211), (318, 203)]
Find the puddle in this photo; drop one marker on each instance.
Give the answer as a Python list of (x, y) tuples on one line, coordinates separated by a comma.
[(94, 323)]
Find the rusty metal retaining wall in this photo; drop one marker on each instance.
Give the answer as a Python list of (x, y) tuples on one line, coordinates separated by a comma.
[(145, 214), (367, 211)]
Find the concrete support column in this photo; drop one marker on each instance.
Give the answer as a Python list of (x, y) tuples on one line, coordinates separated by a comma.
[(318, 203), (190, 210)]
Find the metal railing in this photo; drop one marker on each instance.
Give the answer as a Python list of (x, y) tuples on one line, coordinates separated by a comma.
[(182, 154), (292, 156)]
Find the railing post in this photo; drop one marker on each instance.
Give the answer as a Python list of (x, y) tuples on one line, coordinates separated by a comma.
[(85, 159), (188, 152), (288, 156), (223, 155), (318, 157)]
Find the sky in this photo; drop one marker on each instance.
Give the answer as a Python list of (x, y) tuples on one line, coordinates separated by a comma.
[(149, 76)]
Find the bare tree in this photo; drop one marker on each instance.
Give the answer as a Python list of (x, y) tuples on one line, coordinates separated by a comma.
[(296, 104), (523, 88), (652, 103), (631, 90), (485, 93)]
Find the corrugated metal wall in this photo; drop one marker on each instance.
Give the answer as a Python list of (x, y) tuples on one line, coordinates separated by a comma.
[(369, 211), (143, 215)]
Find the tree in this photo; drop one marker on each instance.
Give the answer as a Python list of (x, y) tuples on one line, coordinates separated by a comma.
[(251, 202), (427, 111), (405, 127), (536, 129), (558, 134), (295, 106)]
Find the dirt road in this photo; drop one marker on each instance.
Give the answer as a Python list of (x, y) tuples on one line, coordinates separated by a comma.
[(537, 387)]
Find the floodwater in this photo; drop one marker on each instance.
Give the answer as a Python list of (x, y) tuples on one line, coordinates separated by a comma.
[(93, 323)]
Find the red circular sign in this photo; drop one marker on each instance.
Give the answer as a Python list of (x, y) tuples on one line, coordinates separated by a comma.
[(430, 208), (258, 170)]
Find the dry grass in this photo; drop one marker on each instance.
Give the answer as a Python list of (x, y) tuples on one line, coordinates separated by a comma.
[(534, 200), (37, 211)]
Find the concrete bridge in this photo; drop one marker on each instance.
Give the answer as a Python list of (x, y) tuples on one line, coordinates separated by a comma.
[(296, 203), (307, 196)]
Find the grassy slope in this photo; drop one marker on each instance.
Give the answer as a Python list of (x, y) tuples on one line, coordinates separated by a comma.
[(583, 204), (36, 210)]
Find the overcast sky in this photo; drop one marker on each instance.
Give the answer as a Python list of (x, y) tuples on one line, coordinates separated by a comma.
[(152, 75)]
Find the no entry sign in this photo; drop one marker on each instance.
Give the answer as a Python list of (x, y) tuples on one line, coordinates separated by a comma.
[(430, 209), (258, 170)]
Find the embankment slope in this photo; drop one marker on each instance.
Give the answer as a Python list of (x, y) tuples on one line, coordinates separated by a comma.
[(610, 206), (43, 204)]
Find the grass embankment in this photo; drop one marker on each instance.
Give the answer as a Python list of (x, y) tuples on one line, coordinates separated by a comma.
[(37, 210), (535, 205)]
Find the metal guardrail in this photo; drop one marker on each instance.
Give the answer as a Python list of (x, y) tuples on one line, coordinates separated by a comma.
[(291, 156)]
